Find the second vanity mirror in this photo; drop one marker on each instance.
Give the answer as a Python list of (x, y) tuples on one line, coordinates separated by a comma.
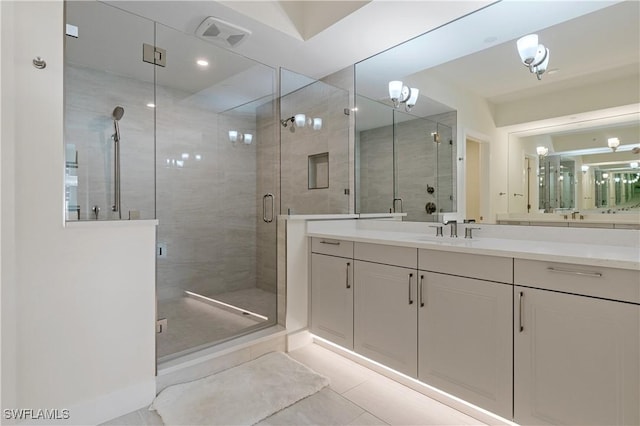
[(498, 112)]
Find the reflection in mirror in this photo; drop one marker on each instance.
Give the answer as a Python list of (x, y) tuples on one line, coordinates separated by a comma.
[(576, 170), (404, 163), (473, 65)]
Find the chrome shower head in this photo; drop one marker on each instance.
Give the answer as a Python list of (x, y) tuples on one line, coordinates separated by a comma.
[(118, 112)]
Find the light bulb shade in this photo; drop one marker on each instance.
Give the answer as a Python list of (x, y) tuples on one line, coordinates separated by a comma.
[(585, 168), (613, 143), (527, 48), (233, 135), (542, 150), (248, 138), (395, 89), (617, 179), (605, 176), (542, 66), (633, 164), (300, 120), (540, 56), (413, 97), (317, 123)]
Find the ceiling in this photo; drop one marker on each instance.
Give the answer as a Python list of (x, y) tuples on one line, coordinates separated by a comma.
[(314, 38)]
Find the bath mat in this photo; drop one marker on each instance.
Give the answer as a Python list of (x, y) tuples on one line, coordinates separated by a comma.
[(241, 395)]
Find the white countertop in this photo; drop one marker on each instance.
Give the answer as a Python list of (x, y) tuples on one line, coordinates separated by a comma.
[(580, 253)]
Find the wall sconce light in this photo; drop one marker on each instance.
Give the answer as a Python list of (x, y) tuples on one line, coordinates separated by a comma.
[(300, 120), (533, 55), (605, 176), (633, 164), (613, 143), (542, 150), (617, 179), (584, 168), (235, 136), (401, 94), (317, 123)]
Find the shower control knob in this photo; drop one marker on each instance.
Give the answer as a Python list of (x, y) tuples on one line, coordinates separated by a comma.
[(39, 63)]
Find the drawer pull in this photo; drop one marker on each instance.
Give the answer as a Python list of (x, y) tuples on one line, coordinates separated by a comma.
[(348, 267), (333, 243), (410, 279), (521, 311), (421, 291), (573, 272)]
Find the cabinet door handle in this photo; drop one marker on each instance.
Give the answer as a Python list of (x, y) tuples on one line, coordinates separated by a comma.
[(348, 267), (521, 311), (421, 291), (333, 243), (574, 272), (410, 279)]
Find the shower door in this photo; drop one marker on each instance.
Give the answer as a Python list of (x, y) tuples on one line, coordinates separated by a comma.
[(217, 193)]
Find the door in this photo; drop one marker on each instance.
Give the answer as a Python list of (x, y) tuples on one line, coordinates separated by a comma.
[(332, 298), (577, 359), (465, 339), (385, 315)]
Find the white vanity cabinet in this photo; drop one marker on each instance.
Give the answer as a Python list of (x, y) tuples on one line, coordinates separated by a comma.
[(332, 290), (385, 308), (465, 327), (577, 357)]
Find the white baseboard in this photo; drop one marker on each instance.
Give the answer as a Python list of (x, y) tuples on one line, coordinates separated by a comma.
[(298, 339), (103, 408)]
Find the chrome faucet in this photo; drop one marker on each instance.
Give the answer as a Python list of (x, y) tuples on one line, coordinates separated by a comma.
[(454, 227)]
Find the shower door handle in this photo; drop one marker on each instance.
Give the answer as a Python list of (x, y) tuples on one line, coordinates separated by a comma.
[(264, 208)]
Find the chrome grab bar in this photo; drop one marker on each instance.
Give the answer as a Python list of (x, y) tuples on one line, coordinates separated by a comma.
[(333, 243), (421, 291), (264, 207), (410, 299), (521, 310), (348, 266), (574, 272)]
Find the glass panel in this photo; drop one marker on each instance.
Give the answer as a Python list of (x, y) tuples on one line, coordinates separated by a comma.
[(103, 70), (374, 156), (217, 158), (313, 123), (446, 163)]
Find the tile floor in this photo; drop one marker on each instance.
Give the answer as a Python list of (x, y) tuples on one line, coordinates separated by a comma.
[(356, 396), (192, 323)]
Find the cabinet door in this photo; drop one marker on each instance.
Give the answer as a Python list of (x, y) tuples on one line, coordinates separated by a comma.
[(465, 339), (332, 299), (385, 315), (577, 359)]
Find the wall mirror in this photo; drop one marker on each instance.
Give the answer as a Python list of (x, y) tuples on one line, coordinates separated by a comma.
[(473, 67)]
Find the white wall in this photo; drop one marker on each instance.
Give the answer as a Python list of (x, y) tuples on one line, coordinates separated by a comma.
[(84, 302)]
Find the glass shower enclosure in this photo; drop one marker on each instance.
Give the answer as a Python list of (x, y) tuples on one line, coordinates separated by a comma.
[(193, 145)]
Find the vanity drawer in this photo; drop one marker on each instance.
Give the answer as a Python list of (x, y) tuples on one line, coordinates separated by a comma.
[(332, 247), (609, 283), (490, 268), (406, 257)]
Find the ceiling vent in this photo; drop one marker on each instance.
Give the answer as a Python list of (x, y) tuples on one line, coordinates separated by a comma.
[(222, 32)]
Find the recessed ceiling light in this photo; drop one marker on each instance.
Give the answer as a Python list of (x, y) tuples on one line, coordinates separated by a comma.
[(202, 63), (151, 105)]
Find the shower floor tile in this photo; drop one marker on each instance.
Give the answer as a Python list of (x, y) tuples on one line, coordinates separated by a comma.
[(192, 323)]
